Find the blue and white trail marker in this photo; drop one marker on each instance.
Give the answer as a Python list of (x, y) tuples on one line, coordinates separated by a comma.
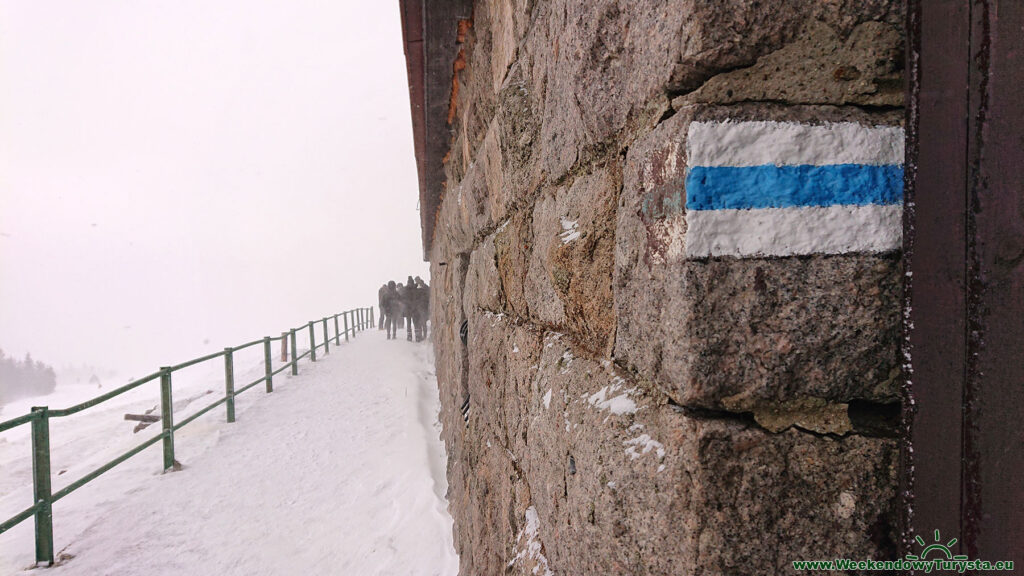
[(784, 188)]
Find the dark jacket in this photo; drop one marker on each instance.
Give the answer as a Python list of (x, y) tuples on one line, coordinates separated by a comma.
[(391, 302)]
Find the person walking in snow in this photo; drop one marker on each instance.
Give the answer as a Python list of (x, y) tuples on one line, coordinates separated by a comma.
[(409, 303), (422, 309), (380, 305), (392, 310), (400, 304)]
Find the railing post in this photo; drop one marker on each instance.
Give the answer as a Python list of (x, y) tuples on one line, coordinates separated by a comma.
[(295, 360), (372, 322), (229, 383), (167, 416), (312, 342), (355, 323), (41, 485), (327, 339), (345, 314), (284, 346), (337, 333), (268, 368)]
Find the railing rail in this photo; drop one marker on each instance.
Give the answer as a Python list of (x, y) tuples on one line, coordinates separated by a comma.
[(104, 397), (39, 417)]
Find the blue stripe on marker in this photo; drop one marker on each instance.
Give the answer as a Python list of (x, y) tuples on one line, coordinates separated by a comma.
[(742, 187)]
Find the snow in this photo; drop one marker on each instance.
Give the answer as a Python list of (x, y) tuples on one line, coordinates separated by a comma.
[(644, 443), (338, 471), (532, 549), (570, 230), (565, 362), (603, 399), (547, 399)]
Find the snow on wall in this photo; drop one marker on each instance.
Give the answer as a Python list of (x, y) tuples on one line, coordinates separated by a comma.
[(570, 230), (605, 398), (532, 549)]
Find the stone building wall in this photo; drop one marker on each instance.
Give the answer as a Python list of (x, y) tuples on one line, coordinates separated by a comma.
[(641, 371)]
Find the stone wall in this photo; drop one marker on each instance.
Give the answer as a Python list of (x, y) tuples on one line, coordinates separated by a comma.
[(636, 383)]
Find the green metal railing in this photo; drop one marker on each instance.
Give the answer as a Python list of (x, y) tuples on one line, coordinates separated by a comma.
[(39, 418)]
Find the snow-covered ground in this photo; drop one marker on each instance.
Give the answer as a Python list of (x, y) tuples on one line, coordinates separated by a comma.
[(339, 471)]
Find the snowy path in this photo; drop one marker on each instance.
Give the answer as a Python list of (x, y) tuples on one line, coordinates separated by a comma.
[(339, 471)]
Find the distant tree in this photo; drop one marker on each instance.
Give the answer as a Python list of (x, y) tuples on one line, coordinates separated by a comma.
[(25, 378)]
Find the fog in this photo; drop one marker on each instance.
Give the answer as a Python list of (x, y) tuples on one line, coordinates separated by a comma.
[(181, 176)]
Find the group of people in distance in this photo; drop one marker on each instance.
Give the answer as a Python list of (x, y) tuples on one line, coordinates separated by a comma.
[(404, 304)]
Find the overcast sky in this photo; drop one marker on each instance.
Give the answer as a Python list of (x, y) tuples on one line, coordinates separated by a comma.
[(180, 176)]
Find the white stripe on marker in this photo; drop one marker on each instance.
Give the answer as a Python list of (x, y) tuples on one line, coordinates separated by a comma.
[(794, 231), (791, 144)]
